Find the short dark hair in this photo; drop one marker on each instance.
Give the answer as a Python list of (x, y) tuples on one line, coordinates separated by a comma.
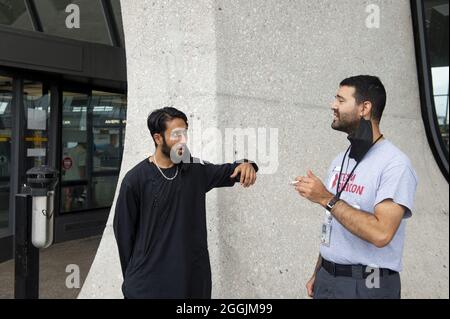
[(368, 88), (157, 120)]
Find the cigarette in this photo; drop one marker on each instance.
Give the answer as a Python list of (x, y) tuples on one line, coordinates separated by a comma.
[(294, 183)]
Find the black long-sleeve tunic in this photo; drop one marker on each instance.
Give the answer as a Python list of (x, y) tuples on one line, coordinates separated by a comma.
[(160, 228)]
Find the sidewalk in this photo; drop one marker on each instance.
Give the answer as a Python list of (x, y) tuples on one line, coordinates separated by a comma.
[(53, 263)]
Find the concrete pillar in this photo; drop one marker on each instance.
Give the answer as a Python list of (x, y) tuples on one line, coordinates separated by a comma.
[(277, 64)]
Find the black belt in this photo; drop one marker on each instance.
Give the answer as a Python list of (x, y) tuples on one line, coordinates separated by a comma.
[(354, 271)]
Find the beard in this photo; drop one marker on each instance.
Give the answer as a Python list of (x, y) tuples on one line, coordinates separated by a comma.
[(165, 149), (345, 123), (177, 153)]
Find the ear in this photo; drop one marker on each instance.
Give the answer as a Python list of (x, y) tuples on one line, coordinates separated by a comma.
[(158, 138), (366, 111)]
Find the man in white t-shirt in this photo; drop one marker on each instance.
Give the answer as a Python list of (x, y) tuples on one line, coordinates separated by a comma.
[(369, 195)]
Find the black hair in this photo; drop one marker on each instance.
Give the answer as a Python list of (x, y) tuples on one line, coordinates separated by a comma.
[(368, 88), (157, 120)]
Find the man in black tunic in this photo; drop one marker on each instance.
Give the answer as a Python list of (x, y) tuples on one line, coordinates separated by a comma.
[(160, 216)]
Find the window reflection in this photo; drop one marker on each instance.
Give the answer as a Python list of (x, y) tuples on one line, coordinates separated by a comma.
[(5, 149), (14, 14), (74, 152), (440, 91), (118, 17), (108, 125), (93, 134), (53, 18), (93, 27), (109, 133), (437, 33), (36, 102)]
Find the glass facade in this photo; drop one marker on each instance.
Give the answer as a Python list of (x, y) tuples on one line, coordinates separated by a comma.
[(5, 149), (92, 134), (118, 19), (61, 111), (99, 21), (430, 22), (91, 128), (74, 152), (109, 114), (436, 12), (36, 102), (92, 28), (14, 14)]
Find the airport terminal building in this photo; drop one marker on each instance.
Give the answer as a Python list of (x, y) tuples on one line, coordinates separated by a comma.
[(63, 103), (77, 99)]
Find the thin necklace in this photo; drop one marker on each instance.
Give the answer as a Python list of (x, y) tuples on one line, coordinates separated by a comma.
[(159, 169)]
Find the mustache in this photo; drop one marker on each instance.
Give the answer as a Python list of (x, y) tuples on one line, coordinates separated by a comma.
[(175, 155)]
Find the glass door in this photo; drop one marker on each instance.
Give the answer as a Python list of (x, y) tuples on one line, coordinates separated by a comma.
[(108, 130), (36, 103), (93, 132), (26, 137), (74, 170), (6, 95)]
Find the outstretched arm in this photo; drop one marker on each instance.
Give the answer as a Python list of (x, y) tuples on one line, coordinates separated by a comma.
[(226, 175)]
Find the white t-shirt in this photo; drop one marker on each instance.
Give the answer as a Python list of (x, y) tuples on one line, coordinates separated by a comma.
[(384, 173)]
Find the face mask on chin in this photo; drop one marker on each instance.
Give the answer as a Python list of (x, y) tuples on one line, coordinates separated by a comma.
[(361, 140)]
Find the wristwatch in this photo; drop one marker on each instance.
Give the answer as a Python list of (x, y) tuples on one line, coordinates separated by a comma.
[(331, 203)]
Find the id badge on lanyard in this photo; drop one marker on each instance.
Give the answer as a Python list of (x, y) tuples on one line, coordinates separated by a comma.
[(325, 236)]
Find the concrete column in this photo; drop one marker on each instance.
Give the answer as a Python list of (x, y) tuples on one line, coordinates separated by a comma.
[(277, 64), (171, 61)]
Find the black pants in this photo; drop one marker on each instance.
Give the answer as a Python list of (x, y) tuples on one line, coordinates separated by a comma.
[(327, 286)]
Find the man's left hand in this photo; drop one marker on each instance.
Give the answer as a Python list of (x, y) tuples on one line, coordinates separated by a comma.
[(248, 174), (312, 188)]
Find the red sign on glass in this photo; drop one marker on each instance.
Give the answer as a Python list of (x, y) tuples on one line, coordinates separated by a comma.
[(67, 163)]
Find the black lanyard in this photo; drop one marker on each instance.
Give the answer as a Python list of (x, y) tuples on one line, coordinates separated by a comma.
[(339, 192)]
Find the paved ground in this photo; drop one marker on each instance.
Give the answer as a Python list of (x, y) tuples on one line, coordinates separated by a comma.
[(53, 263)]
